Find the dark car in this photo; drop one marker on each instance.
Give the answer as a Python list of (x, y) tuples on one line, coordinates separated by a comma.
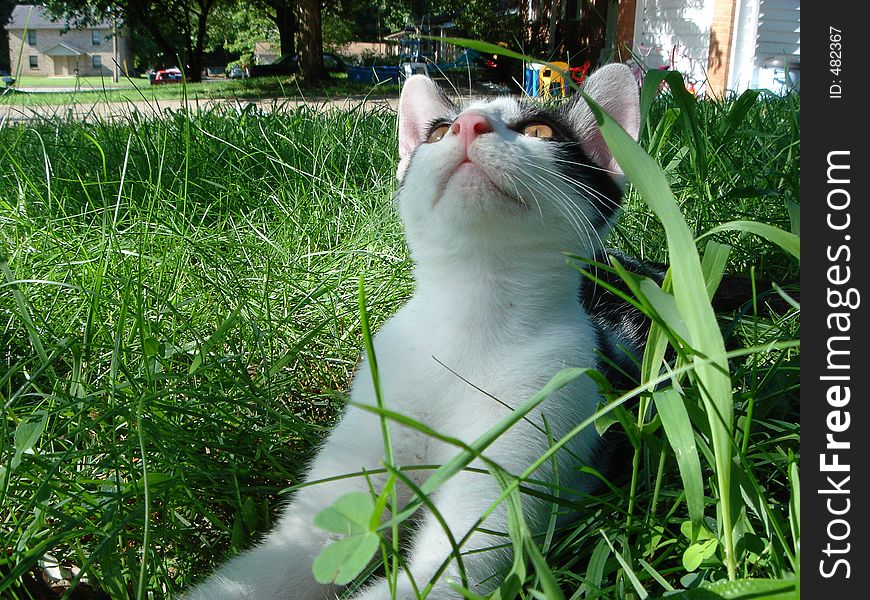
[(289, 64), (492, 67)]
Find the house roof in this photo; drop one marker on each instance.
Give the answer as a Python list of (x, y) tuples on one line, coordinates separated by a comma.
[(63, 50), (36, 17)]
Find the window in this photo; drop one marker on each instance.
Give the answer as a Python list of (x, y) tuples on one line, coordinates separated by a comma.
[(31, 37), (97, 61), (96, 37), (34, 62)]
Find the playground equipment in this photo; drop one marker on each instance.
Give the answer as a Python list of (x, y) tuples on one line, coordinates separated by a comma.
[(552, 80), (548, 80)]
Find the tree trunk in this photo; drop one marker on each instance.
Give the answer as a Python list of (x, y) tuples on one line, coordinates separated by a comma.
[(6, 7), (555, 18), (195, 74), (285, 19), (310, 41)]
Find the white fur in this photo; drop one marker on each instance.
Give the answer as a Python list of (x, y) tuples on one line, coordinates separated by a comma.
[(496, 304)]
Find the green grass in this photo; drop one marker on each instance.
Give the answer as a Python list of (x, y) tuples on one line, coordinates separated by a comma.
[(85, 83), (179, 318), (95, 90)]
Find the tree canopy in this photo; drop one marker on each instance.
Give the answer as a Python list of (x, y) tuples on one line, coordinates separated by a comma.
[(184, 32)]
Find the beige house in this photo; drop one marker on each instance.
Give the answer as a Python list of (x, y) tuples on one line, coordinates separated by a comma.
[(41, 46)]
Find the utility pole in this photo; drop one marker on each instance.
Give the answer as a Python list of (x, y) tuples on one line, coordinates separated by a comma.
[(115, 66)]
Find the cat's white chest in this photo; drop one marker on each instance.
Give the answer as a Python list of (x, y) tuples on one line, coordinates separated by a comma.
[(460, 375)]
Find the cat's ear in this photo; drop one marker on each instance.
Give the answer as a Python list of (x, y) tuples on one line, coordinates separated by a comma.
[(614, 88), (421, 103)]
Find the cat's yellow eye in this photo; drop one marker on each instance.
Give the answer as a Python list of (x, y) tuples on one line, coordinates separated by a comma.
[(438, 133), (538, 130)]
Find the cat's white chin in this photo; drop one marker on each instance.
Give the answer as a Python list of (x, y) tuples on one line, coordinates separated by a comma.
[(469, 176), (470, 181)]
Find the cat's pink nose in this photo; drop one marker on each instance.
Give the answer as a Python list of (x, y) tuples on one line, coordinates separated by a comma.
[(470, 125)]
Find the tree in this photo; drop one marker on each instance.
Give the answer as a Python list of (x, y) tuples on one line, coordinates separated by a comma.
[(285, 20), (299, 25), (6, 7), (310, 40), (177, 27), (239, 25)]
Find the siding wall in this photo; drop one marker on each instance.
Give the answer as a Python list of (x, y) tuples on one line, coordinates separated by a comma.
[(674, 28), (729, 44)]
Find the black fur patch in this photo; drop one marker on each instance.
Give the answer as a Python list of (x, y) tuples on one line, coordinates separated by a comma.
[(599, 188)]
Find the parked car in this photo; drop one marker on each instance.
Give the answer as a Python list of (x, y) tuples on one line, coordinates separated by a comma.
[(171, 75), (492, 67), (236, 72), (288, 64)]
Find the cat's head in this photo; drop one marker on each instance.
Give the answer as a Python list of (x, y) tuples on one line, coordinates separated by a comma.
[(505, 173)]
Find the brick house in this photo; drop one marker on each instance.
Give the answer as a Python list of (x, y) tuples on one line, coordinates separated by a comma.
[(720, 44), (40, 46)]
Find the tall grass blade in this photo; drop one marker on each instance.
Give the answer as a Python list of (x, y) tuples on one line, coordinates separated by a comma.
[(690, 291), (629, 572), (681, 435), (789, 242)]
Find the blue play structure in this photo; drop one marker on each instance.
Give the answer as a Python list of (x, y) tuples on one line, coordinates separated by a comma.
[(377, 74), (531, 79)]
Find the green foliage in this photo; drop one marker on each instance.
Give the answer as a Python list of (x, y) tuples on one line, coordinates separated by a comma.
[(484, 19), (690, 293), (93, 91), (171, 29), (344, 559), (338, 31), (180, 312), (678, 428), (239, 26), (191, 284)]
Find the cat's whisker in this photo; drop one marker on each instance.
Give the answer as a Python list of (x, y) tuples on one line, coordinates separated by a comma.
[(531, 193), (586, 189), (562, 204), (590, 166), (567, 208)]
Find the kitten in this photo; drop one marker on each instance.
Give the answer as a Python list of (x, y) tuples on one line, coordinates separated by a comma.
[(491, 196)]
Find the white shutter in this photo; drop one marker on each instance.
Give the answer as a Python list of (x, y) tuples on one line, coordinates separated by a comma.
[(779, 32)]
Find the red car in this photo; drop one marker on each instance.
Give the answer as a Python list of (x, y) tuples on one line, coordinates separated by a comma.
[(172, 75)]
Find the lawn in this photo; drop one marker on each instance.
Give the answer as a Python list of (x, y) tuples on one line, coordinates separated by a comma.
[(179, 319), (84, 83), (96, 90)]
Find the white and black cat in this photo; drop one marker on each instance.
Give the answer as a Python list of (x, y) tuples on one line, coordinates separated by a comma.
[(491, 195)]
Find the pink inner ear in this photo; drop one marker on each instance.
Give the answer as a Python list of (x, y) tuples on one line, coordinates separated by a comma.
[(614, 89), (420, 104), (409, 134)]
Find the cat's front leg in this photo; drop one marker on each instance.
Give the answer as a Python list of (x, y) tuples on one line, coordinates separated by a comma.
[(460, 502), (280, 566)]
